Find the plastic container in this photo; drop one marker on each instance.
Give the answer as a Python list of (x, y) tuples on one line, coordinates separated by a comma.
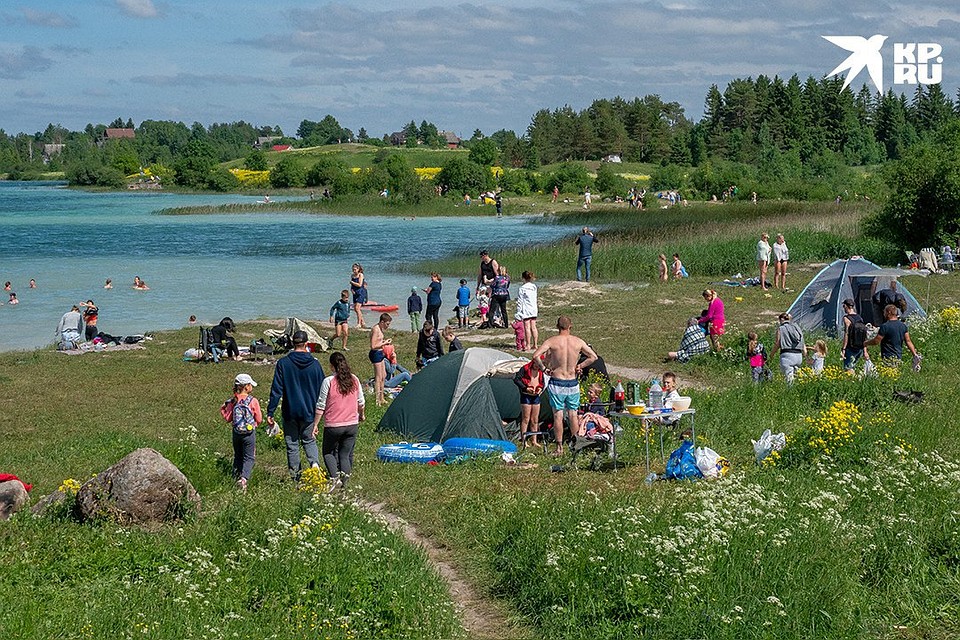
[(618, 397), (655, 395)]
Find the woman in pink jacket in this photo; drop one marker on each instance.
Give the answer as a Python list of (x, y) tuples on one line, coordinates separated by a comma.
[(713, 320), (340, 406)]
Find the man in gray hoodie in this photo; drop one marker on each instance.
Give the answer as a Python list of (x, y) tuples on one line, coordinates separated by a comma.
[(70, 328), (297, 380)]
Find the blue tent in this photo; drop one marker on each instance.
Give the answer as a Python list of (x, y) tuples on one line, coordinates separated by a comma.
[(820, 305)]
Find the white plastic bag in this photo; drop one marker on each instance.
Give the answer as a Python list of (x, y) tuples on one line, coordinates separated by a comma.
[(707, 462), (768, 442), (869, 369)]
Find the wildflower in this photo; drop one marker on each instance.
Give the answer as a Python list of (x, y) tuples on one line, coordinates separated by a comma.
[(313, 480), (69, 487)]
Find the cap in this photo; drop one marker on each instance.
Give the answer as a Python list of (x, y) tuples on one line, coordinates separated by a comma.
[(484, 253), (413, 289), (849, 303), (299, 337), (243, 378)]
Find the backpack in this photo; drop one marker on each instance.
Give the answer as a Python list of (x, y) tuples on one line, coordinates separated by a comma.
[(856, 335), (243, 419)]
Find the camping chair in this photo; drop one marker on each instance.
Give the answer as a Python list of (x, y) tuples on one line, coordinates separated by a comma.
[(209, 350), (598, 446), (928, 259)]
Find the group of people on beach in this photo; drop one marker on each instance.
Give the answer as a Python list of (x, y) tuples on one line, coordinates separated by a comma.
[(491, 293)]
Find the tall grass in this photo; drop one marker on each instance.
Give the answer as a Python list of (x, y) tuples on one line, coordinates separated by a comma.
[(712, 240)]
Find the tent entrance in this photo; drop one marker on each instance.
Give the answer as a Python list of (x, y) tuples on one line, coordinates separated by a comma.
[(863, 289)]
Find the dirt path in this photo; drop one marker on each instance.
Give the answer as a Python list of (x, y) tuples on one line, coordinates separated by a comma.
[(481, 617), (638, 373)]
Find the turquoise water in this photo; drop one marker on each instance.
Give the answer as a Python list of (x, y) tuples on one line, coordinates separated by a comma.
[(239, 265)]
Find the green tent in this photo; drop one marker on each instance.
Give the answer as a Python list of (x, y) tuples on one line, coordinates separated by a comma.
[(465, 394)]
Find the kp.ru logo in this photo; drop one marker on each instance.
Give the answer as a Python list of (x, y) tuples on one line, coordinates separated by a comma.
[(913, 62)]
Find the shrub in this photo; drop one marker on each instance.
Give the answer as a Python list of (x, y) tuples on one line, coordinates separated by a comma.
[(288, 173), (460, 175), (325, 171), (569, 177)]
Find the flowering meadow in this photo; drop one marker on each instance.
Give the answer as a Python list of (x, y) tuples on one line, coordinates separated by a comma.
[(852, 530)]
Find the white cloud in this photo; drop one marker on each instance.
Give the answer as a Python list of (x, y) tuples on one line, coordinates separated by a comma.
[(15, 65), (47, 19), (138, 8)]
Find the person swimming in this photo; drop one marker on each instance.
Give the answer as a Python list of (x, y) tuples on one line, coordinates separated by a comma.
[(140, 284)]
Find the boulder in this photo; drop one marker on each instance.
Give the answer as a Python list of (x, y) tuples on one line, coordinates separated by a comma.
[(13, 496), (143, 487), (47, 504)]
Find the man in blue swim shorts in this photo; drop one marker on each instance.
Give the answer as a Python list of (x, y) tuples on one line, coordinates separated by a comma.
[(562, 353)]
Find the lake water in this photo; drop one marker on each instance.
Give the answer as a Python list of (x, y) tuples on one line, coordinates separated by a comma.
[(239, 265)]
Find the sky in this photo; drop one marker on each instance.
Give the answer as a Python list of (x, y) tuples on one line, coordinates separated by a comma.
[(380, 64)]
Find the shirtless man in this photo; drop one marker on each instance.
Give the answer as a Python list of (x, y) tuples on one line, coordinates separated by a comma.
[(377, 342), (562, 353)]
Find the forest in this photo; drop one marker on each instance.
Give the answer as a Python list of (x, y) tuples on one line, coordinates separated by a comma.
[(779, 138)]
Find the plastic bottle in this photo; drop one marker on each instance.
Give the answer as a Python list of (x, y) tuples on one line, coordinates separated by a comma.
[(618, 396), (655, 395)]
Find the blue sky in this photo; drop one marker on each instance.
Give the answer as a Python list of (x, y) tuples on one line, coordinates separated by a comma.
[(381, 64)]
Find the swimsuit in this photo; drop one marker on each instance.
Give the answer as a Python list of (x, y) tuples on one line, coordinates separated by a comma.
[(359, 290), (376, 355), (528, 398), (564, 394)]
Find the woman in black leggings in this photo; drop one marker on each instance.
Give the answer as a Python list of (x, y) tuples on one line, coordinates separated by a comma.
[(500, 293), (433, 299)]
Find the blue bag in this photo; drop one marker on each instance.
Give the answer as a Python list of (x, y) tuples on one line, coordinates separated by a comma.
[(682, 464)]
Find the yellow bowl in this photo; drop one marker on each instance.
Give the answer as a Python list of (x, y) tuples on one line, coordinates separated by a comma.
[(636, 409)]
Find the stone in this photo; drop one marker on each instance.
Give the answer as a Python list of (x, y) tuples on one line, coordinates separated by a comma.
[(50, 502), (143, 487), (12, 498)]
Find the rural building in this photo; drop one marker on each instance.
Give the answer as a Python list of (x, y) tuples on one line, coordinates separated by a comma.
[(453, 141)]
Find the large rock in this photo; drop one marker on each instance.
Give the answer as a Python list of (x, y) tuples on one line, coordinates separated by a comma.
[(12, 497), (143, 487), (53, 502)]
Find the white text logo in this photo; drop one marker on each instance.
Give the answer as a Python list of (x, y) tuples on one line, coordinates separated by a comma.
[(913, 62)]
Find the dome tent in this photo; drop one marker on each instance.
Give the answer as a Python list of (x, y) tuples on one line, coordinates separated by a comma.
[(467, 393), (819, 307)]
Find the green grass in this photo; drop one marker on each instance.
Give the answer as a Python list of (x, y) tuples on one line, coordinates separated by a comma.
[(350, 205), (713, 240), (865, 544)]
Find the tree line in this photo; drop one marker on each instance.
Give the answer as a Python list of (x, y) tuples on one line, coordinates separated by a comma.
[(781, 138)]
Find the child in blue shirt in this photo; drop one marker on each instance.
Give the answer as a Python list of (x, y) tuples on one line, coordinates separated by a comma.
[(339, 315), (463, 304)]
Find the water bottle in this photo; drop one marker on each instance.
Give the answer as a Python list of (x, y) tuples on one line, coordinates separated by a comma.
[(618, 397), (655, 395)]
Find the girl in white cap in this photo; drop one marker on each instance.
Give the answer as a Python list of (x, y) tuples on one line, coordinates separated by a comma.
[(243, 412)]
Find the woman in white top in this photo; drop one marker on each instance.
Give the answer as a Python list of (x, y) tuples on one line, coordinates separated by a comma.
[(781, 255), (527, 309), (763, 258)]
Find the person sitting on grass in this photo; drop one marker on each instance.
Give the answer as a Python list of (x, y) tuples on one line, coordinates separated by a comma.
[(693, 343), (428, 345), (397, 374)]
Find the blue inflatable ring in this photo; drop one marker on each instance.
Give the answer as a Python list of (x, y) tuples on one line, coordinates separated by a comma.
[(422, 452), (477, 447)]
